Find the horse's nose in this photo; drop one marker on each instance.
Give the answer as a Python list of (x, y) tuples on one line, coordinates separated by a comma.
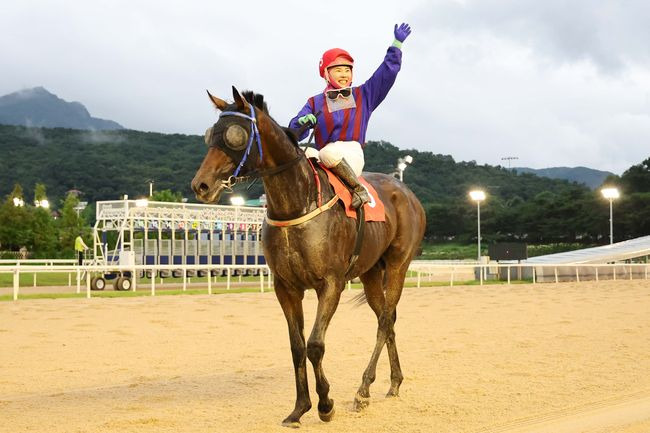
[(200, 188)]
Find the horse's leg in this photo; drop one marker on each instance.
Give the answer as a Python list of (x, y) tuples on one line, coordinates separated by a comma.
[(373, 288), (291, 302), (328, 300), (394, 285)]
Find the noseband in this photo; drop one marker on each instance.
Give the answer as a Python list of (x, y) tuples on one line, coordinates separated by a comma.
[(254, 136)]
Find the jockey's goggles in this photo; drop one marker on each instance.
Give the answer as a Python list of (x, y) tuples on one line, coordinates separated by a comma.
[(335, 93)]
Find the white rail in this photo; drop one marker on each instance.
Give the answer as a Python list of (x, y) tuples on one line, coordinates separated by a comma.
[(536, 273)]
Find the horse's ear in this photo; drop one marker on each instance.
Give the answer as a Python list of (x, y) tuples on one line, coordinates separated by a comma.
[(219, 103), (239, 99)]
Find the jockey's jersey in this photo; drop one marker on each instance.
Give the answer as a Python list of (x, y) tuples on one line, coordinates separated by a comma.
[(350, 121)]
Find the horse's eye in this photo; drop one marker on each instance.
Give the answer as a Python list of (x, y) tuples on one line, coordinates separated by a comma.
[(235, 137), (208, 136)]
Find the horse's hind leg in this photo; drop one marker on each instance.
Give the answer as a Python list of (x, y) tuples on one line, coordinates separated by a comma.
[(394, 286), (373, 287), (328, 300)]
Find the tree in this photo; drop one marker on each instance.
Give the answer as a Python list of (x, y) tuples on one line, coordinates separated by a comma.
[(70, 225), (16, 229), (167, 195)]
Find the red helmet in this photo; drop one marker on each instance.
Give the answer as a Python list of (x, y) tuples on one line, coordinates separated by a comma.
[(335, 56)]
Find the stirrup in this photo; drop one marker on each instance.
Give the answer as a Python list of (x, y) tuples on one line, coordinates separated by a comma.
[(359, 198)]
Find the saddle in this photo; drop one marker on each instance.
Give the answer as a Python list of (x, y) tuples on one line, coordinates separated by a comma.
[(373, 210)]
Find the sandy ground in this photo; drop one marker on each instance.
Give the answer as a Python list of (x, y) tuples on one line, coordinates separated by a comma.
[(527, 358)]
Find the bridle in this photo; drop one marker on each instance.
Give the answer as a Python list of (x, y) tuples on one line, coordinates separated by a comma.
[(254, 137)]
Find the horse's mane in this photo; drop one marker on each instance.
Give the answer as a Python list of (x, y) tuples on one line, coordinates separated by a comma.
[(258, 101)]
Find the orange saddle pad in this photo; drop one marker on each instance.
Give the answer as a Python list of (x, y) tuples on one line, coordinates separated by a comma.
[(373, 210)]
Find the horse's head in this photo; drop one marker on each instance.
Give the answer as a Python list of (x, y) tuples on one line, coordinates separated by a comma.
[(234, 147)]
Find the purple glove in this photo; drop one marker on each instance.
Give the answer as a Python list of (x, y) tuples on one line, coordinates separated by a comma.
[(402, 32)]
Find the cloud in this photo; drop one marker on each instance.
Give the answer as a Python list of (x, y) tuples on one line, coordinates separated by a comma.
[(611, 34)]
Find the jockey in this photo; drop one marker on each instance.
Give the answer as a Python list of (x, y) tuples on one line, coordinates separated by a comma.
[(340, 128)]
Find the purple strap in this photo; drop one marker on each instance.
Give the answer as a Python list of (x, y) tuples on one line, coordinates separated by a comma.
[(254, 133)]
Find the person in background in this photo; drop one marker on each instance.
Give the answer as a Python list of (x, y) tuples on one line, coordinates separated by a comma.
[(80, 247)]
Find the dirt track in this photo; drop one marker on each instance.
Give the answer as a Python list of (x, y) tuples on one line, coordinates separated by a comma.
[(526, 358)]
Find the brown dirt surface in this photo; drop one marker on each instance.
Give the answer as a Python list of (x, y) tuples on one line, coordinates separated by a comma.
[(569, 357)]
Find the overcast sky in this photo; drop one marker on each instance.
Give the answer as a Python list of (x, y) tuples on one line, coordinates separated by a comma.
[(551, 82)]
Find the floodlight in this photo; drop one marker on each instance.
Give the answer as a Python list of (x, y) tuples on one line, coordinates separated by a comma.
[(610, 193), (477, 195), (237, 200)]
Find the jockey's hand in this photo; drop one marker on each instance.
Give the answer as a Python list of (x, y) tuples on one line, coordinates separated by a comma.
[(402, 32), (308, 118)]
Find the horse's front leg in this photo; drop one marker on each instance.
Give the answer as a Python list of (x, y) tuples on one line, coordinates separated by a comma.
[(291, 302), (328, 301)]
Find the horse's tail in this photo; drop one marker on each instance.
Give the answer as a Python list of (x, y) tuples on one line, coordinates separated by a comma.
[(359, 300)]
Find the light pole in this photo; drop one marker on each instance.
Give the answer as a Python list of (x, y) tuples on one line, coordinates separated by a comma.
[(402, 163), (611, 194), (478, 196), (150, 187)]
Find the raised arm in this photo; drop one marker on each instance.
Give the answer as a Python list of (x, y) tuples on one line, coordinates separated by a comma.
[(378, 85)]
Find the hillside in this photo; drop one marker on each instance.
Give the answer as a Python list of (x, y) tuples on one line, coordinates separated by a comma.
[(587, 176), (104, 165), (38, 107)]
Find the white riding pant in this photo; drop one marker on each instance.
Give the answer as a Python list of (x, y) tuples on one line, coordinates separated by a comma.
[(332, 154)]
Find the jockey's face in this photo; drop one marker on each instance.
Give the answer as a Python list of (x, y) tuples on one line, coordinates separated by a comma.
[(341, 75)]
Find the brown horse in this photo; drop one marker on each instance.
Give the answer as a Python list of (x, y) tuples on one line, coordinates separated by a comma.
[(316, 253)]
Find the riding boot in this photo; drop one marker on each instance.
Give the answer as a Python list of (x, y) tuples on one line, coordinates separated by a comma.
[(350, 179)]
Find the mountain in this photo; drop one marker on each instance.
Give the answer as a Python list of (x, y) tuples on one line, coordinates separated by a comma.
[(38, 107), (587, 176)]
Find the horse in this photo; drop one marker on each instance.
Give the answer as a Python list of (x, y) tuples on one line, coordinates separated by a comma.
[(314, 248)]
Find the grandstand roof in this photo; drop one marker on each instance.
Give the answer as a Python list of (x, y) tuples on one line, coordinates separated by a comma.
[(619, 251)]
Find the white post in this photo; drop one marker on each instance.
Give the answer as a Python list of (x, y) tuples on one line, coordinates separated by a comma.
[(611, 222), (87, 284), (78, 280), (556, 280), (153, 282), (508, 274), (451, 281), (480, 271), (184, 279), (16, 282), (261, 281), (418, 279), (614, 270), (228, 279), (209, 283), (134, 277), (577, 275), (630, 272), (69, 279), (534, 279), (478, 214), (34, 279), (596, 273)]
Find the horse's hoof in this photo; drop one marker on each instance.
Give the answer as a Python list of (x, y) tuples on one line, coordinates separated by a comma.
[(360, 402), (327, 417), (290, 424), (392, 394)]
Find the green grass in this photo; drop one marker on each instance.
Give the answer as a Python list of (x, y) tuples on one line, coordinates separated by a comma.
[(61, 279)]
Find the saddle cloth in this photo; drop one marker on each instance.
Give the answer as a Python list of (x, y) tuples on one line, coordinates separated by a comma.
[(373, 210)]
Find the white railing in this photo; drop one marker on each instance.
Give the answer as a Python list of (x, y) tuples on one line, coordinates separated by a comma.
[(84, 273), (536, 273)]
